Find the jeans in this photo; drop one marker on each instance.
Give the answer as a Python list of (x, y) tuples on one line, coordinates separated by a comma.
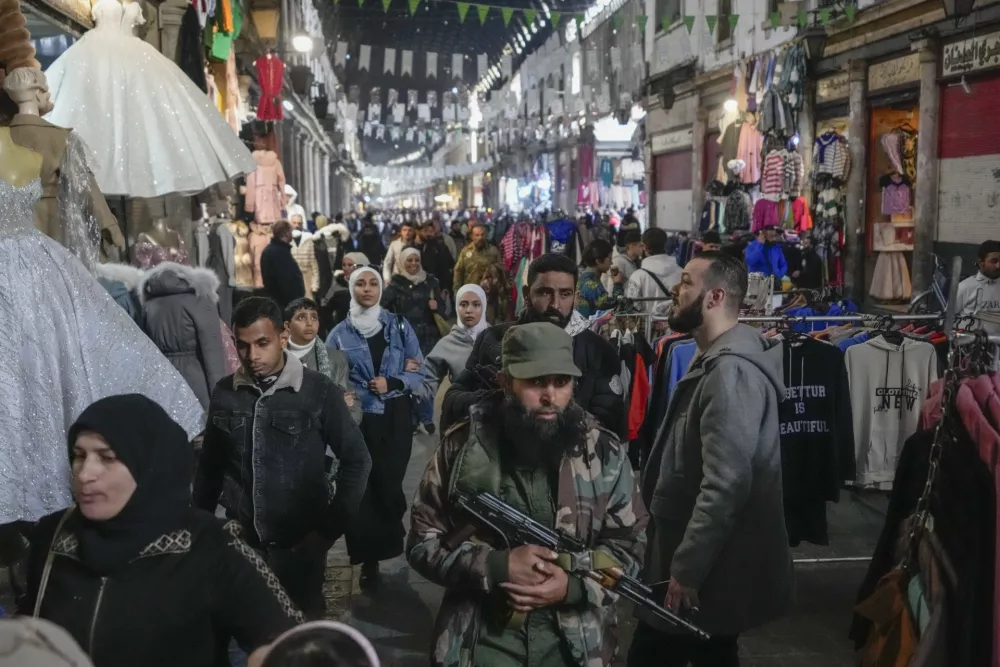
[(652, 648), (423, 410), (302, 572)]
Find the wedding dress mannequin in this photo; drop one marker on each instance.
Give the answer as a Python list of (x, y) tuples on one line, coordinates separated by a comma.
[(153, 131), (66, 345), (72, 210)]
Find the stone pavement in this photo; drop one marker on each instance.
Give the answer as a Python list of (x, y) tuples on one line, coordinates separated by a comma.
[(399, 615)]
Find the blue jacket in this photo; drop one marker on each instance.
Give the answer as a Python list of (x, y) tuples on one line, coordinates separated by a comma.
[(403, 345), (766, 259)]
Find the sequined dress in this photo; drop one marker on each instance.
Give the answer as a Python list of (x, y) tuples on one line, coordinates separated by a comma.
[(65, 344), (152, 131)]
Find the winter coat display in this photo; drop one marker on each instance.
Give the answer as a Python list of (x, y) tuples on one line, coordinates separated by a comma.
[(260, 236), (598, 391), (304, 253), (831, 156), (280, 273), (817, 436), (737, 212), (242, 260), (271, 77), (265, 189), (180, 309), (409, 300), (889, 383), (766, 258), (203, 578), (249, 437), (713, 487)]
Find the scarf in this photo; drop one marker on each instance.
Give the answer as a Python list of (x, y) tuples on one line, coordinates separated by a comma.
[(480, 326), (366, 320), (400, 270), (301, 350), (156, 451), (359, 258)]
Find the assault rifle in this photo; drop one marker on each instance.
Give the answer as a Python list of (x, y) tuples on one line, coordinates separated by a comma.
[(517, 529)]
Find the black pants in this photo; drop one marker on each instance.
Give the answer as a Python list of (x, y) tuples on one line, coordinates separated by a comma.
[(652, 648), (376, 534), (301, 573)]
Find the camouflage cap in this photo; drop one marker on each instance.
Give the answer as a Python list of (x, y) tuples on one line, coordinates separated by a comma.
[(536, 350)]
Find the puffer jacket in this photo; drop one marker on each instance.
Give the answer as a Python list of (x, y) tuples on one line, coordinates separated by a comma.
[(179, 305), (410, 301), (598, 390)]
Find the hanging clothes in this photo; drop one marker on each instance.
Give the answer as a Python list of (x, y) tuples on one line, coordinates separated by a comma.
[(271, 78)]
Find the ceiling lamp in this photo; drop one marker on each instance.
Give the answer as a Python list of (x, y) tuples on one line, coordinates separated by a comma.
[(302, 43)]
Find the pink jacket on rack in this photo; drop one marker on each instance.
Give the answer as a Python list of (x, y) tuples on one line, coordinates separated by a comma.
[(266, 188)]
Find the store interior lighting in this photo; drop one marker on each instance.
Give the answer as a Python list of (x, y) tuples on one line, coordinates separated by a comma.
[(730, 106), (302, 43)]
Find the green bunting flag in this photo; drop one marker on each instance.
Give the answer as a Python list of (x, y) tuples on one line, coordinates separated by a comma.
[(640, 21), (483, 11), (775, 19), (385, 4), (711, 20), (689, 22), (463, 9), (413, 6), (529, 15), (851, 11), (579, 21), (556, 18), (616, 21), (665, 23), (361, 3), (824, 16), (803, 18), (507, 13), (733, 20)]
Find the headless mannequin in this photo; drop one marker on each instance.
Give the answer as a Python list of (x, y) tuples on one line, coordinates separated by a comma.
[(18, 166)]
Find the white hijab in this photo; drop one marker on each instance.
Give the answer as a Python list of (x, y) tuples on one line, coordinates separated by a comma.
[(334, 626), (400, 267), (478, 328), (365, 320)]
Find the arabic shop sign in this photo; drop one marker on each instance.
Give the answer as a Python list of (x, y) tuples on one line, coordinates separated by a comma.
[(672, 141), (971, 54), (831, 88), (893, 73)]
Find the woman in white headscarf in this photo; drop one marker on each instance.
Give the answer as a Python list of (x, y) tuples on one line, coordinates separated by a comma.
[(34, 642), (322, 644), (414, 294), (451, 352), (381, 348), (337, 300)]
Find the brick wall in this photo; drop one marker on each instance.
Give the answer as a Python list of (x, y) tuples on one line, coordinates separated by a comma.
[(672, 178), (969, 174)]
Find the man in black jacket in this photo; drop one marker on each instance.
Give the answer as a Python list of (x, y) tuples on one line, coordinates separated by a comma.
[(270, 428), (550, 296), (278, 269), (435, 257)]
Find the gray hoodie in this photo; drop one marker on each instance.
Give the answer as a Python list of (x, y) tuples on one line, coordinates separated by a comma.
[(713, 486)]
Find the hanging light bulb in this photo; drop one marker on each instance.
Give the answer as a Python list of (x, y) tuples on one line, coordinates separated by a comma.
[(730, 105)]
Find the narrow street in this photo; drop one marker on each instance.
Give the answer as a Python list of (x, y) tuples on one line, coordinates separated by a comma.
[(399, 615)]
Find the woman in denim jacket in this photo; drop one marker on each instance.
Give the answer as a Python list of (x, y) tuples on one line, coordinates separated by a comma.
[(374, 338)]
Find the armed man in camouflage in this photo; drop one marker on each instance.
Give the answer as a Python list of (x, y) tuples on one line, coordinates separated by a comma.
[(538, 451)]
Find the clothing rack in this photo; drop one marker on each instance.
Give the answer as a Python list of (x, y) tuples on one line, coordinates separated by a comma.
[(841, 318)]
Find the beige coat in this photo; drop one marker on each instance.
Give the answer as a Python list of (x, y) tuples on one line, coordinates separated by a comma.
[(304, 253)]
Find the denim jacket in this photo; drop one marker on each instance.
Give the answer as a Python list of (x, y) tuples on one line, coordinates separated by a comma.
[(266, 455), (403, 345)]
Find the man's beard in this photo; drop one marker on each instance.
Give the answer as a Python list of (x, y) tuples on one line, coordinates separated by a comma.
[(551, 315), (992, 275), (539, 441), (686, 320)]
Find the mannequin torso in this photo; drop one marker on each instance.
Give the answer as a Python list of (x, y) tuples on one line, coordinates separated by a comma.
[(18, 166)]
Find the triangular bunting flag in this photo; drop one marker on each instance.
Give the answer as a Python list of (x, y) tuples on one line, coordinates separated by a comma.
[(463, 9), (529, 15), (336, 2), (803, 18), (385, 4), (556, 18), (640, 21), (733, 20), (507, 13), (851, 11), (361, 3), (579, 20), (483, 10), (616, 21), (665, 23), (775, 19), (711, 20), (413, 6), (824, 16), (689, 22)]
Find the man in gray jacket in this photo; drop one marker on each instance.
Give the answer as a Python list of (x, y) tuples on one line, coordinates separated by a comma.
[(713, 480)]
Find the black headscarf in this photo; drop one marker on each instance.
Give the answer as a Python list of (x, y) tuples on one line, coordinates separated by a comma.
[(157, 453)]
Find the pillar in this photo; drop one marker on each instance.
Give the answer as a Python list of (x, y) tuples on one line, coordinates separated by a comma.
[(807, 134), (925, 200), (854, 209), (698, 131)]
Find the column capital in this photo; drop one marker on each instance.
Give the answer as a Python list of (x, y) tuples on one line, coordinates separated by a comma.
[(857, 71), (928, 49), (702, 114)]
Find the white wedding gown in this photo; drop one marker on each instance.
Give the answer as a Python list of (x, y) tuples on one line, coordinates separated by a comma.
[(65, 344), (151, 129)]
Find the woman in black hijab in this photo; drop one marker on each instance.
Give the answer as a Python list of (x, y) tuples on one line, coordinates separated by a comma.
[(133, 572)]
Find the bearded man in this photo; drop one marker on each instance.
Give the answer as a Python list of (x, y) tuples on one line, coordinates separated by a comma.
[(549, 296), (713, 479), (540, 452)]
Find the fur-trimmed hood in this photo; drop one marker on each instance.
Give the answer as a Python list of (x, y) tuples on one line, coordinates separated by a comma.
[(126, 274), (338, 228), (171, 278)]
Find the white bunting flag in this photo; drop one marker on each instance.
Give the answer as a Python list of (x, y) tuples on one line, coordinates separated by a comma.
[(593, 67), (432, 65), (457, 66), (365, 59), (616, 59), (507, 65), (483, 64), (406, 67), (340, 57), (389, 63)]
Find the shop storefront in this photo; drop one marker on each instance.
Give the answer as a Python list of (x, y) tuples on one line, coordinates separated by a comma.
[(672, 154)]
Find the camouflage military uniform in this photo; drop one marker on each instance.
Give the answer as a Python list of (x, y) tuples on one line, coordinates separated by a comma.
[(473, 264), (596, 500)]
